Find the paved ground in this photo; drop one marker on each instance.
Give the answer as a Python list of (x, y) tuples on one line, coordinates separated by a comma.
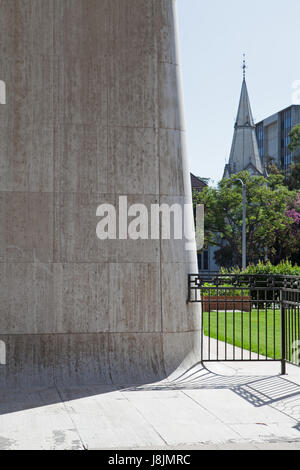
[(237, 406)]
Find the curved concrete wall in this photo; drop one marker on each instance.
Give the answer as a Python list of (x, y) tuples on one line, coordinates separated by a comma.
[(93, 112)]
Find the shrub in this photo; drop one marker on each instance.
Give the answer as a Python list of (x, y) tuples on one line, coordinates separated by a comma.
[(222, 291), (260, 270), (285, 268)]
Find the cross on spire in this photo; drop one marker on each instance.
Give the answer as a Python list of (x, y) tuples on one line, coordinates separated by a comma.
[(244, 67)]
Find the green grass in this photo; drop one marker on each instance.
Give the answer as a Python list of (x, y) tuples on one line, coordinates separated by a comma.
[(238, 325)]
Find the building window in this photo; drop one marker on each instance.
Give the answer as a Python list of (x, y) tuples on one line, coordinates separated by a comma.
[(286, 127), (203, 261), (199, 256), (260, 138)]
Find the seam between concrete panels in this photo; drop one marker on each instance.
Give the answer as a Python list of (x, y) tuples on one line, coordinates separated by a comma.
[(75, 193), (102, 124), (63, 262), (160, 232), (104, 333)]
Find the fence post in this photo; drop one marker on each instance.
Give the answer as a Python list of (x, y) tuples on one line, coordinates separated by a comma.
[(283, 320)]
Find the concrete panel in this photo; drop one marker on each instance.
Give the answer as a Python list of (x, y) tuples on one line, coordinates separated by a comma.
[(26, 298), (26, 230), (30, 360), (166, 27), (177, 314), (75, 231), (81, 298), (132, 91), (171, 162), (181, 355), (170, 100), (60, 298), (177, 250), (135, 251), (26, 158), (132, 28), (79, 30), (81, 359), (81, 158), (80, 94), (134, 297), (29, 92), (127, 367), (75, 228), (26, 28), (133, 156)]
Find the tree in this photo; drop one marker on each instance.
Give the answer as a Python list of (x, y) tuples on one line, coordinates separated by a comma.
[(270, 165), (269, 225), (295, 138), (293, 179)]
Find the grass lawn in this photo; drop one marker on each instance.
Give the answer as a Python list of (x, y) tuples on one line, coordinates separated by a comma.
[(237, 331)]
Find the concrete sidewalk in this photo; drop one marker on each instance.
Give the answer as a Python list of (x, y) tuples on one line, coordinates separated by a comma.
[(228, 406)]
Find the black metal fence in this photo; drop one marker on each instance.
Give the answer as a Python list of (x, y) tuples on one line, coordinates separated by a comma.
[(248, 317)]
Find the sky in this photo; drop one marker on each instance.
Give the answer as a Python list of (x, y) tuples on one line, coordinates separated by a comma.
[(213, 35)]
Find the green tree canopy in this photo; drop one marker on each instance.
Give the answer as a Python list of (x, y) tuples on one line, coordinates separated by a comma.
[(295, 138), (269, 228)]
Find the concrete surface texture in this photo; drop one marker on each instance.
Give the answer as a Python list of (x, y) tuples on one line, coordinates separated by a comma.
[(93, 111), (232, 406)]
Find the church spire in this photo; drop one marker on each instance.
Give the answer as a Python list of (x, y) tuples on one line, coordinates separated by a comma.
[(244, 153)]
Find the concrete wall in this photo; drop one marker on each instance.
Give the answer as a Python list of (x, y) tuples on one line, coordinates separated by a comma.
[(93, 111)]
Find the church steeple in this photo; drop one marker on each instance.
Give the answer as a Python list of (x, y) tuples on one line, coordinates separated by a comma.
[(244, 153)]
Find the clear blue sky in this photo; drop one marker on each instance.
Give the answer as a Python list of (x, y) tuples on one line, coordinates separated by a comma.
[(213, 35)]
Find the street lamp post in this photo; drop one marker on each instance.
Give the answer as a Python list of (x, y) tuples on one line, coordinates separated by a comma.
[(244, 240)]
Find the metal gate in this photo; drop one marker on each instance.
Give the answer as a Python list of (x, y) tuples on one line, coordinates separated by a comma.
[(248, 317)]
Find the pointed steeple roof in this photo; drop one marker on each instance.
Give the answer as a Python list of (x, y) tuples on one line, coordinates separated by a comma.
[(244, 115), (244, 153)]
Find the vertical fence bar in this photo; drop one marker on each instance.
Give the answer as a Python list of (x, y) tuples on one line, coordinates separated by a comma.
[(288, 351), (233, 317), (225, 305), (298, 321), (250, 332), (217, 284), (208, 323), (294, 325), (202, 323), (258, 305), (242, 323), (266, 321), (274, 327), (283, 337)]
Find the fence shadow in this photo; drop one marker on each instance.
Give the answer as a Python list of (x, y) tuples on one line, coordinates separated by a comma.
[(258, 391)]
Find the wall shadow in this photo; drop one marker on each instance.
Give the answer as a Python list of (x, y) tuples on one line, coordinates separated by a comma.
[(257, 390)]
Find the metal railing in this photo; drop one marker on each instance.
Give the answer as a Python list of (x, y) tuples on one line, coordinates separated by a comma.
[(248, 317)]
